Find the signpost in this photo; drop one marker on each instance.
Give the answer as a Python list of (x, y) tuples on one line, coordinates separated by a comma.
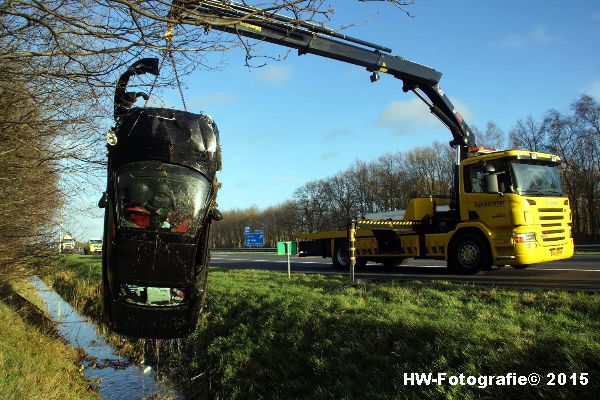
[(256, 239), (287, 249)]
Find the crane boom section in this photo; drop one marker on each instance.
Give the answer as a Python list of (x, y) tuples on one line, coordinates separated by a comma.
[(310, 38)]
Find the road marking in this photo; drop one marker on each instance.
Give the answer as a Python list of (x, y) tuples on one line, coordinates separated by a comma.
[(400, 266), (564, 269)]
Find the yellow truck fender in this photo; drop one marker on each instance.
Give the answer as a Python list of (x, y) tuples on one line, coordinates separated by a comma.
[(473, 227)]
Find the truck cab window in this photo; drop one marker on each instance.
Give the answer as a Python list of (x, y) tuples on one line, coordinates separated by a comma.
[(474, 177), (537, 178)]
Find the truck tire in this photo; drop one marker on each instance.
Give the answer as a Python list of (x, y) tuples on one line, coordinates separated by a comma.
[(469, 254), (340, 256)]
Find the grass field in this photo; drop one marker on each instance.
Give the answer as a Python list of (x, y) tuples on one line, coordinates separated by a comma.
[(34, 364), (265, 336)]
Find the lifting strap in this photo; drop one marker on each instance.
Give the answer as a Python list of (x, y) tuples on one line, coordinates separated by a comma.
[(169, 34)]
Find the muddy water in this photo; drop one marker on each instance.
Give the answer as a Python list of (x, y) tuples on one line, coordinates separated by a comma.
[(117, 379)]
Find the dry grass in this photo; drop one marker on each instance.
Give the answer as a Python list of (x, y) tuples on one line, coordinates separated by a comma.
[(36, 365)]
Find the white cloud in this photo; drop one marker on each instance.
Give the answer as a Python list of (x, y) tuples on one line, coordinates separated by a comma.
[(213, 98), (328, 156), (513, 41), (274, 75), (336, 134), (538, 36), (401, 115), (411, 115), (464, 110), (594, 89)]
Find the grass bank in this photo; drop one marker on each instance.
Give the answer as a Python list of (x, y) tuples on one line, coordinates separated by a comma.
[(35, 363), (312, 337)]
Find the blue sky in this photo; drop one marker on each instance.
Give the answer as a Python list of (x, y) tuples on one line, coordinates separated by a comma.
[(307, 118)]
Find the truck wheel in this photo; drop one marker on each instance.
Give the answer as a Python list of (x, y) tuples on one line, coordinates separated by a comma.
[(469, 254), (340, 257)]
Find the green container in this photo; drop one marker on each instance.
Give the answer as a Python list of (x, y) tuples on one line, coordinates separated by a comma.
[(293, 248), (282, 248)]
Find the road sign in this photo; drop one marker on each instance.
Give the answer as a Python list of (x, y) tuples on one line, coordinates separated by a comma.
[(256, 239), (287, 249), (247, 230), (284, 248)]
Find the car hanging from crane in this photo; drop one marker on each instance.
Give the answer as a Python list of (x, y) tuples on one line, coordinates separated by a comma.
[(159, 203)]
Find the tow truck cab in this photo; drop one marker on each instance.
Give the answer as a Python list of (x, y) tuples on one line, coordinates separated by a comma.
[(516, 200)]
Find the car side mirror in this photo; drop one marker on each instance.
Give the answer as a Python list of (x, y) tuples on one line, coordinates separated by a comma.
[(216, 215)]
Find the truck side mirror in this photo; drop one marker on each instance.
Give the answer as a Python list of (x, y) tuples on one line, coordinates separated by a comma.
[(216, 215), (490, 179)]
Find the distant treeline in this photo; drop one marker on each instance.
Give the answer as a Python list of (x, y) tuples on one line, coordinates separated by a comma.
[(388, 182)]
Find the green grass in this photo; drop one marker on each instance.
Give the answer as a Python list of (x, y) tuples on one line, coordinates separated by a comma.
[(265, 336), (35, 364)]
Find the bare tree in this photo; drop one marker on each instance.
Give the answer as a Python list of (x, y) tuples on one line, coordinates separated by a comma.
[(30, 197), (528, 134), (58, 66), (575, 137), (493, 136)]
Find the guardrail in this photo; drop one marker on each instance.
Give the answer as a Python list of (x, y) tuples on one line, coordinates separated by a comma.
[(587, 247), (248, 249), (579, 247)]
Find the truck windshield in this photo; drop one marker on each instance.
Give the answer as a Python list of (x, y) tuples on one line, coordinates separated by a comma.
[(95, 241), (156, 196), (536, 179)]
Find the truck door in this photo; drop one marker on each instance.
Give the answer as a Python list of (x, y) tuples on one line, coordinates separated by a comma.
[(482, 203)]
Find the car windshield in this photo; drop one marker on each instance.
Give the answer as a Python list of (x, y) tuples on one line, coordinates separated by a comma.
[(536, 179), (157, 196), (96, 241)]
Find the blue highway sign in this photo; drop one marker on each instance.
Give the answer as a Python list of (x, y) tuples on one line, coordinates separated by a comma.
[(256, 239)]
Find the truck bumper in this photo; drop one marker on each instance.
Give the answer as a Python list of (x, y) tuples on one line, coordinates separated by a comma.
[(534, 253)]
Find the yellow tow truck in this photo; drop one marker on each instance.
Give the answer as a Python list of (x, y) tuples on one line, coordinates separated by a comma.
[(511, 210)]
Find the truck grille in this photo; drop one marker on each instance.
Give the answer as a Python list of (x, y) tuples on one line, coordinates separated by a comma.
[(552, 220)]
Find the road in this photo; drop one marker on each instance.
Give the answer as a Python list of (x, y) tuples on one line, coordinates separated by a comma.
[(580, 273)]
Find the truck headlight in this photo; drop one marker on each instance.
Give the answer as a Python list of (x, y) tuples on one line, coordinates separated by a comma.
[(524, 237)]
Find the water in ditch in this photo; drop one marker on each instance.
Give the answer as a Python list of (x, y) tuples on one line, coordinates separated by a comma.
[(117, 378)]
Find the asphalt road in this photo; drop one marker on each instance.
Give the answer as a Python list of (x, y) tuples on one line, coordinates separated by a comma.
[(582, 272)]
